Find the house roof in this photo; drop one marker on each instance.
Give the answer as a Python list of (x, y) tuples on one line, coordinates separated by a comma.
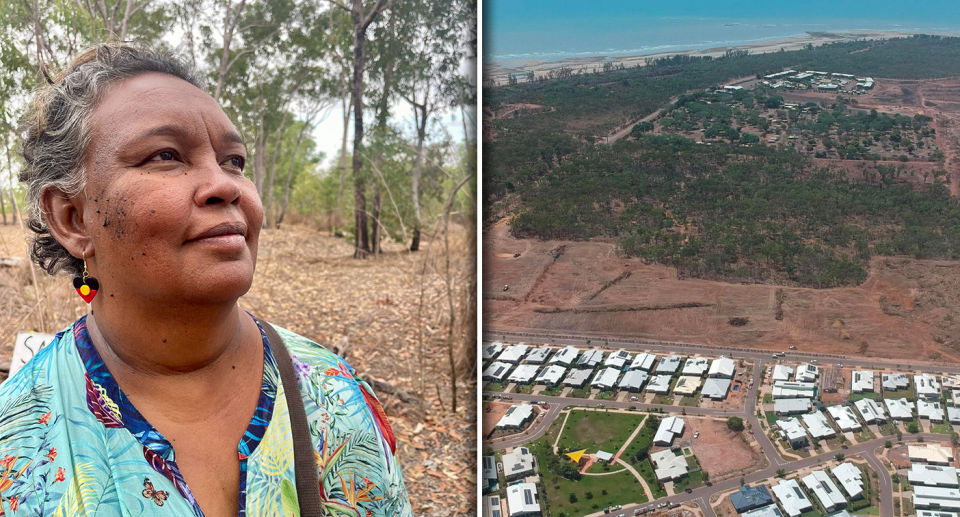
[(932, 475), (491, 506), (930, 453), (953, 414), (618, 359), (782, 372), (590, 358), (538, 355), (894, 381), (566, 355), (926, 385), (788, 406), (524, 373), (491, 350), (750, 497), (634, 379), (770, 510), (659, 384), (489, 467), (669, 465), (930, 409), (870, 410), (603, 456), (850, 477), (845, 418), (792, 429), (899, 408), (715, 388), (522, 499), (643, 361), (935, 513), (668, 364), (790, 389), (695, 366), (514, 353), (942, 497), (791, 497), (668, 429), (497, 370), (723, 367), (817, 425), (552, 374), (824, 488), (517, 463), (577, 377), (516, 416), (687, 385), (807, 372), (862, 380), (606, 378)]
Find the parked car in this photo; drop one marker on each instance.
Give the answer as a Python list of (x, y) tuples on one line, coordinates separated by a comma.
[(617, 507), (696, 434), (506, 287), (792, 347)]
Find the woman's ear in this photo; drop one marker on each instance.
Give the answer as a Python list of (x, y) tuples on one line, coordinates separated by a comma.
[(63, 215)]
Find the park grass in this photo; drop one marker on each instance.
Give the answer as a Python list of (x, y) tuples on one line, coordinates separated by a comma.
[(645, 468), (598, 468), (554, 431), (643, 440), (598, 430), (621, 488)]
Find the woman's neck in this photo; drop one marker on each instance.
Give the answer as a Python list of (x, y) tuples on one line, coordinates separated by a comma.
[(166, 342)]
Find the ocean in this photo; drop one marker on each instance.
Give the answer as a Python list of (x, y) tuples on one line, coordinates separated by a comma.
[(524, 30)]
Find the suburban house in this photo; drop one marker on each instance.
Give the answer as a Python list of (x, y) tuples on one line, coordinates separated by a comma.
[(496, 371), (551, 375), (522, 500), (567, 356), (807, 373), (793, 390), (590, 359), (817, 425), (518, 464), (524, 374), (606, 379), (930, 453), (633, 380), (715, 388), (850, 478), (825, 489), (927, 386), (870, 410), (659, 384), (489, 473), (669, 466), (932, 475), (750, 497), (861, 381), (669, 428), (894, 381), (516, 417), (643, 361), (792, 432), (618, 359), (538, 355), (722, 367), (687, 385), (696, 366), (899, 409), (514, 353), (932, 411), (845, 418), (936, 498), (782, 373), (577, 378), (668, 364), (491, 506), (791, 497), (791, 406), (491, 350)]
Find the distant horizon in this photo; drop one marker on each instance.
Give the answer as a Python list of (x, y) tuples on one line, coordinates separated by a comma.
[(563, 29)]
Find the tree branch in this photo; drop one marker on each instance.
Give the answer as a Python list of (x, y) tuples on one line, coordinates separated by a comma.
[(382, 5), (340, 5)]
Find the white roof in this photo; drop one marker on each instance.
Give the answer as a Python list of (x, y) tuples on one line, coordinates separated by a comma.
[(817, 425), (894, 381), (791, 497), (524, 373), (577, 377), (824, 488), (538, 355), (489, 467), (517, 463), (603, 456), (850, 477), (516, 415), (722, 367), (770, 510), (930, 453), (845, 418), (514, 353), (643, 361), (933, 513), (862, 380), (687, 385), (491, 350), (566, 355), (668, 429), (590, 358), (497, 371), (522, 499), (715, 388), (551, 375), (870, 410), (782, 372), (618, 359), (953, 414), (491, 506), (791, 429), (807, 372), (659, 384), (668, 464), (937, 497), (633, 379), (606, 378), (930, 409), (899, 408), (668, 364), (790, 389), (950, 381), (695, 366), (927, 385), (932, 475), (787, 406)]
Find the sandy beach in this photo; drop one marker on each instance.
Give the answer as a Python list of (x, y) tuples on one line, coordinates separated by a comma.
[(498, 73)]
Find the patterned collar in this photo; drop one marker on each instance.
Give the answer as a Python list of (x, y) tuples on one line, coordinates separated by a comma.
[(114, 410)]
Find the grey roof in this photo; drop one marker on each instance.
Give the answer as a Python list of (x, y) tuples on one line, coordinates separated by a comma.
[(634, 379), (789, 406), (668, 364), (750, 497), (538, 355), (715, 387), (577, 377), (770, 510)]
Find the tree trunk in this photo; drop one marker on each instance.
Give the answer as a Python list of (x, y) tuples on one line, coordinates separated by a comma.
[(361, 244), (293, 159), (267, 209), (229, 25), (3, 208), (375, 233), (13, 193), (420, 113), (347, 108)]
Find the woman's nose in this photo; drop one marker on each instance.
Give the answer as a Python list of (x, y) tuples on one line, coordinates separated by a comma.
[(219, 186)]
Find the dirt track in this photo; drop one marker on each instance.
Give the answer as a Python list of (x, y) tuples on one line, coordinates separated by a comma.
[(901, 308)]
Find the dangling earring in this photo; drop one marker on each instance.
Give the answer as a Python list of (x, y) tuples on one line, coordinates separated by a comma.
[(86, 285)]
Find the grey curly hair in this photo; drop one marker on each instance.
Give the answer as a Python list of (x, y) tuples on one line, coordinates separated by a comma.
[(55, 132)]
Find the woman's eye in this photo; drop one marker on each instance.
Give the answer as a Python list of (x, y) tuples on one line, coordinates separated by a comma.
[(237, 162), (165, 156)]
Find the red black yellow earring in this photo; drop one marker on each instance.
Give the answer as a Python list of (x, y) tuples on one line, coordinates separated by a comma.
[(86, 286)]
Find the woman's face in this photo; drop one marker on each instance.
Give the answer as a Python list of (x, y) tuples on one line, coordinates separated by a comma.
[(171, 215)]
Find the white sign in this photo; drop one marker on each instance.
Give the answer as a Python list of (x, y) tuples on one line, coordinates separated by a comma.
[(28, 344)]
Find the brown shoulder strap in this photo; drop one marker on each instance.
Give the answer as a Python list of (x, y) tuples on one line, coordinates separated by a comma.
[(305, 466)]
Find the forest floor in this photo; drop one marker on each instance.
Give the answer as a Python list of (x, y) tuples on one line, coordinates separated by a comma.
[(308, 282), (904, 310)]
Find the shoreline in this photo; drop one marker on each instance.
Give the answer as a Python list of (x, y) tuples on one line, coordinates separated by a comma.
[(498, 72)]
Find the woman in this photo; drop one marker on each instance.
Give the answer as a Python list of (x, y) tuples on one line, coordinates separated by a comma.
[(167, 399)]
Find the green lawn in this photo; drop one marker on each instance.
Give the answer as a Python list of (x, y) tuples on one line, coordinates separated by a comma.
[(865, 434), (943, 428), (495, 386), (621, 488), (601, 467), (580, 393), (645, 468), (605, 395), (643, 440), (666, 400), (771, 417), (692, 401), (526, 389), (888, 429), (865, 395), (767, 398), (692, 481), (909, 393), (554, 391), (598, 430)]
